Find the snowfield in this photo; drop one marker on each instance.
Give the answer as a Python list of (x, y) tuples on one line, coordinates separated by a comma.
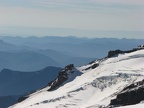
[(133, 106), (95, 87)]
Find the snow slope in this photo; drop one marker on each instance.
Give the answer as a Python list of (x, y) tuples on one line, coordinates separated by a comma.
[(133, 106), (99, 82)]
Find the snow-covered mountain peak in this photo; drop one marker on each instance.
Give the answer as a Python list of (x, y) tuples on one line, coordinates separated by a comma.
[(90, 86)]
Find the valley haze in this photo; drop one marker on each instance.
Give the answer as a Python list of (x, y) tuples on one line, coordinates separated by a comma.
[(35, 53)]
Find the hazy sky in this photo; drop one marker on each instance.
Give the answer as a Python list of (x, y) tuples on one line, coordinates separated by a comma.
[(84, 18)]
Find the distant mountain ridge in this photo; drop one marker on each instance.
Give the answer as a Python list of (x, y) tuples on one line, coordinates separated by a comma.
[(7, 46), (25, 61), (83, 47), (14, 84), (25, 81), (27, 58)]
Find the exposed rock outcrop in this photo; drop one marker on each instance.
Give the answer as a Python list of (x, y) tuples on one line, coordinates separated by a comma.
[(116, 52), (61, 78), (22, 98), (132, 94)]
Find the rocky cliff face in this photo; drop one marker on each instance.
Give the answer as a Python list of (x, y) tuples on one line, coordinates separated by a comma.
[(132, 94), (62, 77)]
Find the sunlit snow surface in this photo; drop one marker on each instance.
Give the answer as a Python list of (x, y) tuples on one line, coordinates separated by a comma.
[(133, 106), (95, 87)]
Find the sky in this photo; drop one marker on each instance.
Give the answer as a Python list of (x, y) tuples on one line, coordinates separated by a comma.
[(82, 18)]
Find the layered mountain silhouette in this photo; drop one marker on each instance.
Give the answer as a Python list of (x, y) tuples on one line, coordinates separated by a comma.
[(81, 47), (25, 61)]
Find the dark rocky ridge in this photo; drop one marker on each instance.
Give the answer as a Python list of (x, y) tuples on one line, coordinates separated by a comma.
[(93, 66), (22, 98), (116, 52), (61, 78), (132, 94)]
